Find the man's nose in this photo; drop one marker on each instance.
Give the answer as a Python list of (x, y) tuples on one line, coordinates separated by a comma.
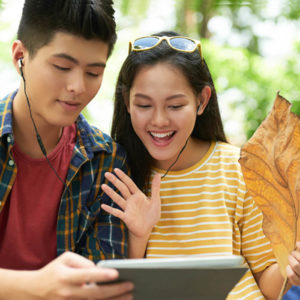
[(76, 84)]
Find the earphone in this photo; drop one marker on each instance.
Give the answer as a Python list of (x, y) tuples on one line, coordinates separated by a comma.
[(20, 63), (199, 106)]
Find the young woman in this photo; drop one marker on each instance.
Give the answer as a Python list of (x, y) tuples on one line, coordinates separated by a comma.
[(167, 117)]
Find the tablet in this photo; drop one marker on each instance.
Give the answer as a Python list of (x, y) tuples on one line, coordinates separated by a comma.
[(184, 278)]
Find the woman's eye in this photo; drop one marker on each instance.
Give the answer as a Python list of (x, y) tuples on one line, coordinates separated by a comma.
[(176, 106)]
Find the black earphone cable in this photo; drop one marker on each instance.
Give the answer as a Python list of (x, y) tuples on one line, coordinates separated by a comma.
[(175, 159), (199, 106), (38, 137)]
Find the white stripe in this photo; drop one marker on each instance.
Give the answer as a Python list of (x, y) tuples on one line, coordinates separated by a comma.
[(198, 194), (191, 225), (201, 201), (193, 240), (195, 218), (255, 247), (224, 184), (189, 248), (184, 255), (191, 232)]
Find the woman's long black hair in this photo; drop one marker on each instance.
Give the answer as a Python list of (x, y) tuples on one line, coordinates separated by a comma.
[(208, 126)]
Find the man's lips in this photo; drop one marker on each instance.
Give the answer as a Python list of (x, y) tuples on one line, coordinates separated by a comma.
[(69, 105)]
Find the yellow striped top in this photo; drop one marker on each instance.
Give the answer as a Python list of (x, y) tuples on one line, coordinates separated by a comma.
[(206, 210)]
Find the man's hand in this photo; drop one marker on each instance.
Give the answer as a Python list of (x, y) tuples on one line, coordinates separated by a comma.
[(70, 276)]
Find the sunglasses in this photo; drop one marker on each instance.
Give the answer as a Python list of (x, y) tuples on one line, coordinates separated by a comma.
[(178, 43)]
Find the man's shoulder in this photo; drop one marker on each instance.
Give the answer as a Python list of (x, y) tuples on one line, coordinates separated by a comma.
[(6, 113), (97, 139)]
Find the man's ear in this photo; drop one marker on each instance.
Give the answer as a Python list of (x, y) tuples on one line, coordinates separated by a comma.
[(19, 51), (203, 99)]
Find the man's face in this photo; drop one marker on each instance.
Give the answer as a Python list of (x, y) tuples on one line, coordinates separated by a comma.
[(63, 77)]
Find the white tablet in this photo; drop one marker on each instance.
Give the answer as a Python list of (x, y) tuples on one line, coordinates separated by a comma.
[(184, 278)]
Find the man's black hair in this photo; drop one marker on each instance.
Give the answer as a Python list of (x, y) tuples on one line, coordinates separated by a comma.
[(90, 19)]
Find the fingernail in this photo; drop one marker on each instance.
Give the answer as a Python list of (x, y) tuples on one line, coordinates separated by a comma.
[(112, 273), (129, 286)]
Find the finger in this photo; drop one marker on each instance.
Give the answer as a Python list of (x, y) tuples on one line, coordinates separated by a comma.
[(294, 264), (296, 255), (127, 180), (155, 187), (292, 276), (118, 184), (96, 274), (114, 211), (102, 291), (114, 196), (298, 246), (123, 297)]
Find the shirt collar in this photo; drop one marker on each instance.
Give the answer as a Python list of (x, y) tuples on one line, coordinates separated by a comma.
[(6, 114), (93, 139)]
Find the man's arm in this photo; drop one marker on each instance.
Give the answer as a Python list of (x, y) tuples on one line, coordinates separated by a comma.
[(70, 276)]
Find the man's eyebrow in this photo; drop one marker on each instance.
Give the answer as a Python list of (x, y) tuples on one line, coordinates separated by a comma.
[(75, 61)]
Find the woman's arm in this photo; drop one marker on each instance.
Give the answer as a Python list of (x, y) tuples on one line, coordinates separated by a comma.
[(137, 211)]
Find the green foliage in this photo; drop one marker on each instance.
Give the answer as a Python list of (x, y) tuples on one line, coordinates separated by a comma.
[(254, 80), (134, 10)]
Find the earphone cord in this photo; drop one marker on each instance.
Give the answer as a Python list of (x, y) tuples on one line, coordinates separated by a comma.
[(175, 159), (39, 139)]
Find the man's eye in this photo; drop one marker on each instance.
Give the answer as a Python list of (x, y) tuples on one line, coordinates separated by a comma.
[(143, 106), (61, 68), (92, 74)]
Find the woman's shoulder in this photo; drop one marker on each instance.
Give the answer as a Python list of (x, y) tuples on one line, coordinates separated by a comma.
[(227, 150)]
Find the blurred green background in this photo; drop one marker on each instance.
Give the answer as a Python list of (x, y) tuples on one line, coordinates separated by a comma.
[(252, 49)]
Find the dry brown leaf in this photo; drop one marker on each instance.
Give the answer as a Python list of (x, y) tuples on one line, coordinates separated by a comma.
[(270, 163)]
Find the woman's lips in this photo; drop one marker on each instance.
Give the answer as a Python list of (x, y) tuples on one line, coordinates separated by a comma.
[(162, 139)]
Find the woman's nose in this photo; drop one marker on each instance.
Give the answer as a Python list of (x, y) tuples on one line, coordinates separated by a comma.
[(160, 118)]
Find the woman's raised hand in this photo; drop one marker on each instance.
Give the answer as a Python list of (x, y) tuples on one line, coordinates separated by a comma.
[(138, 212)]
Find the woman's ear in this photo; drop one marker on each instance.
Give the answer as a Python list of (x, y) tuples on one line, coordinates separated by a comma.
[(203, 99)]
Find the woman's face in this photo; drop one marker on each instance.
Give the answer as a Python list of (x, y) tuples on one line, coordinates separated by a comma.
[(163, 110)]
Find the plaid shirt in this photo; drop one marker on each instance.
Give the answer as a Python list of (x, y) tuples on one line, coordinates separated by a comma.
[(82, 226)]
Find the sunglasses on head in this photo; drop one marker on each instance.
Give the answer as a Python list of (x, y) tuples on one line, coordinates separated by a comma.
[(178, 43)]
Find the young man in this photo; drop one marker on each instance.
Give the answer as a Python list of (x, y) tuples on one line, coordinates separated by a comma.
[(52, 163)]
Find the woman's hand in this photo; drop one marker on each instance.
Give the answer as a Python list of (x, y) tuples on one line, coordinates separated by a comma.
[(138, 212), (293, 268)]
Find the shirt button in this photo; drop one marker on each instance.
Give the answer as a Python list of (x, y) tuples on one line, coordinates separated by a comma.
[(11, 162), (9, 139)]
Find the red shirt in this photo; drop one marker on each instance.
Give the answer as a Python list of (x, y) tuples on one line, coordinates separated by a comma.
[(28, 220)]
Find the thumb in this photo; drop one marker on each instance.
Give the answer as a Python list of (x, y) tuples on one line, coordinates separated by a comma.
[(155, 187)]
